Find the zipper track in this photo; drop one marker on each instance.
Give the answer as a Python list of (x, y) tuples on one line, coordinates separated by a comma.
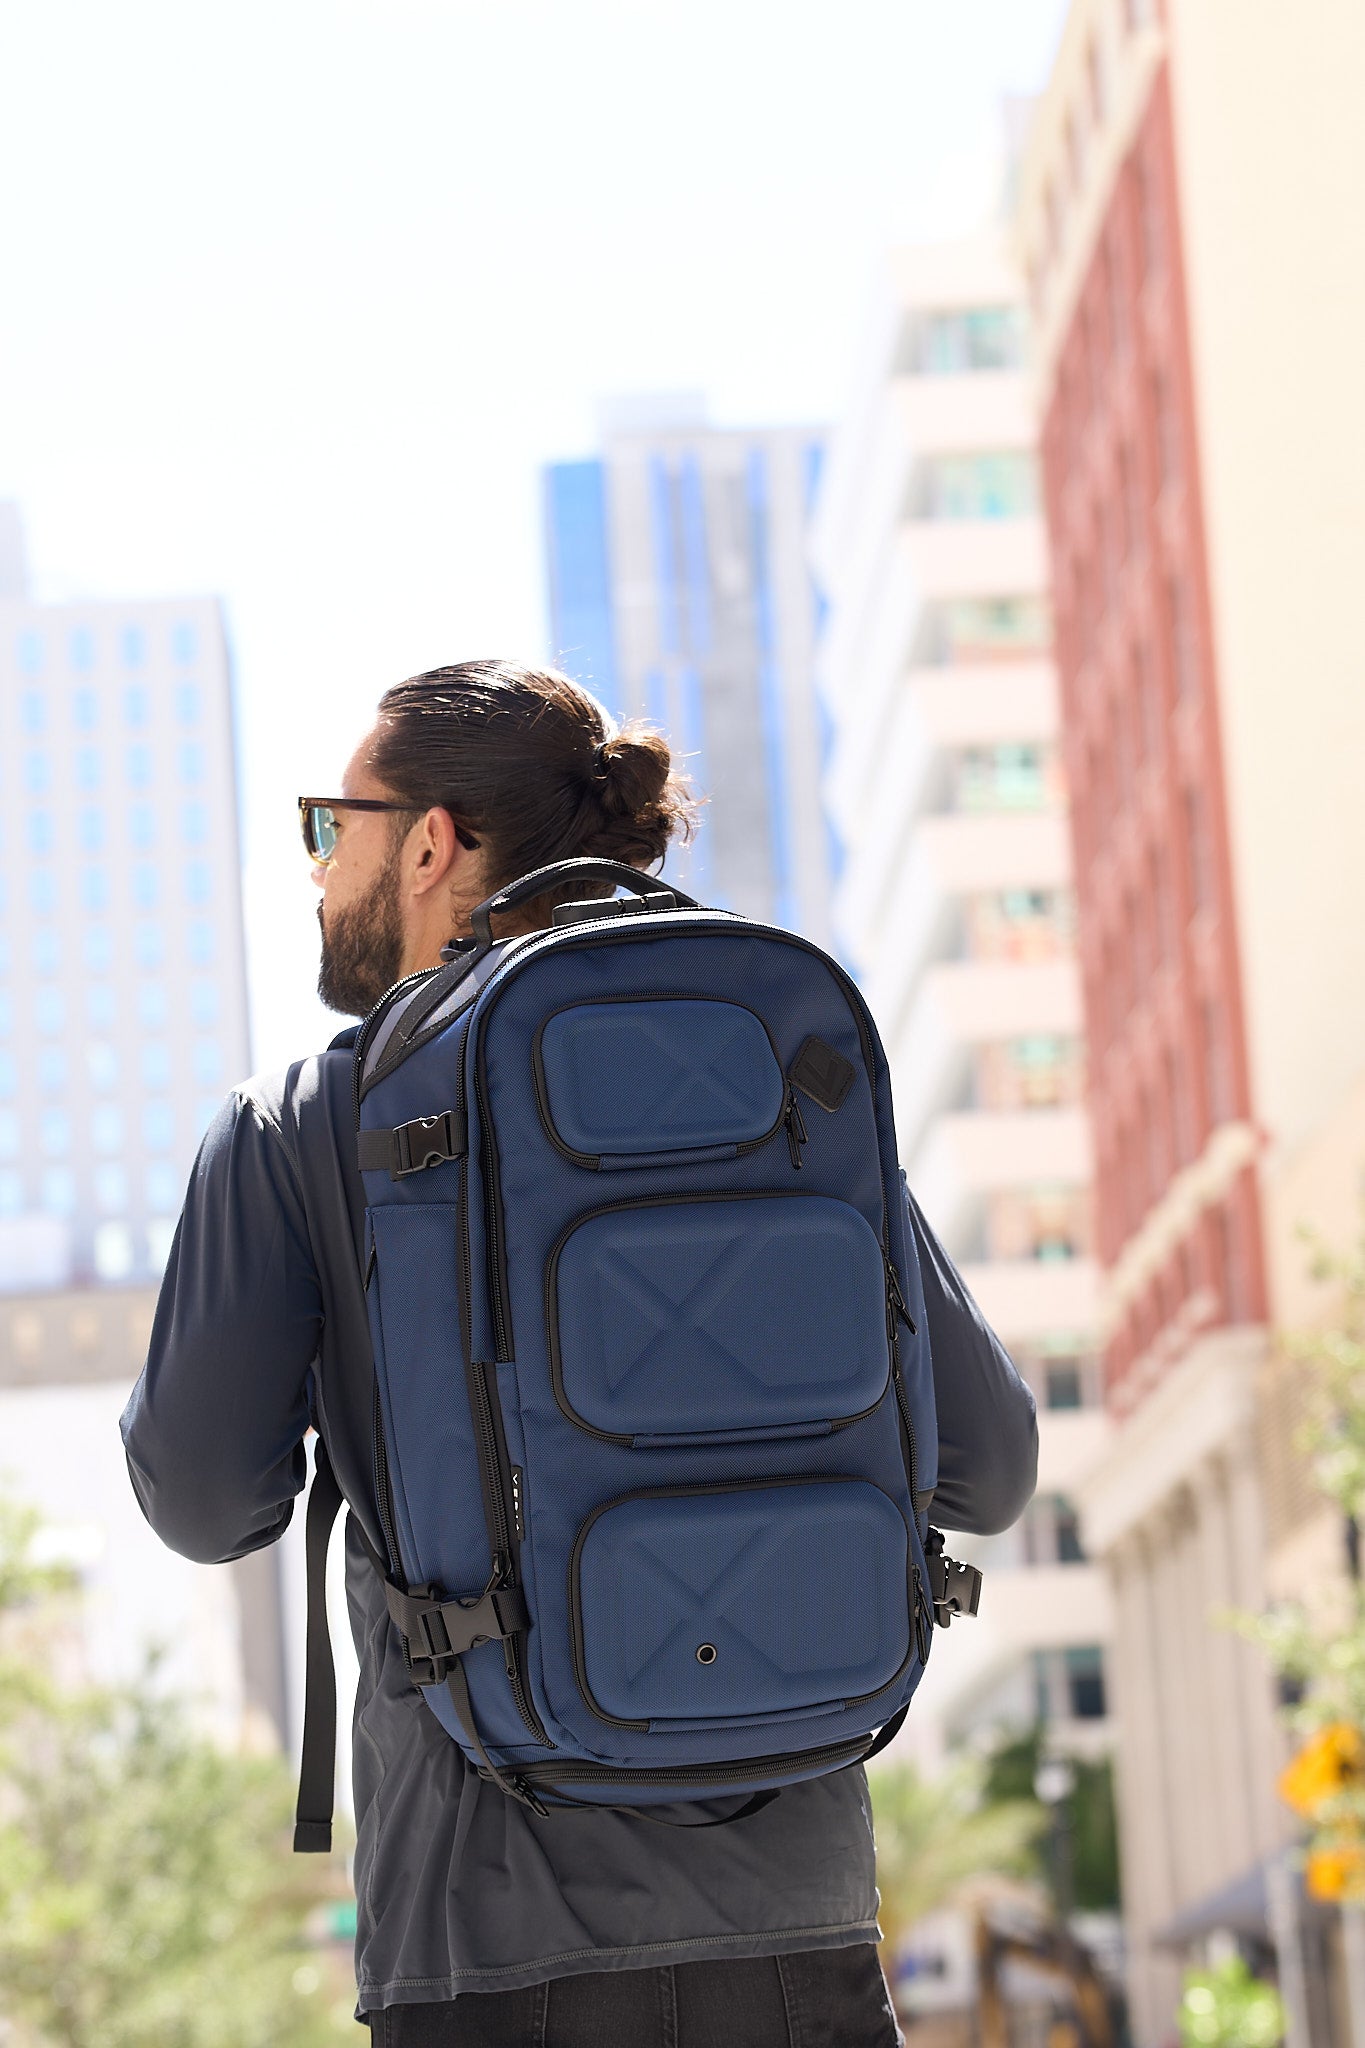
[(741, 1771), (593, 1160), (663, 1202), (694, 1490)]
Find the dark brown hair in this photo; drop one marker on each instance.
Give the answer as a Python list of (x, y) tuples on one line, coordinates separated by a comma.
[(532, 765)]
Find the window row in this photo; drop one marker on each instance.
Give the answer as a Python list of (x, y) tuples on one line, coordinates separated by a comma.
[(105, 1069), (160, 1187), (131, 645), (99, 1010), (981, 486), (95, 887), (156, 1130), (89, 706), (50, 951), (40, 773)]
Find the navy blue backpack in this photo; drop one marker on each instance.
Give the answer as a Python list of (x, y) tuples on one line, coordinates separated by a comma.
[(654, 1431)]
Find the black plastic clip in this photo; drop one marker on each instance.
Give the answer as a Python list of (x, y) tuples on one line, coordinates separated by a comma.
[(954, 1588), (437, 1631), (411, 1148)]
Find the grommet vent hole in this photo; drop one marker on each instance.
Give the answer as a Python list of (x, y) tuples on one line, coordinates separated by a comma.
[(706, 1653)]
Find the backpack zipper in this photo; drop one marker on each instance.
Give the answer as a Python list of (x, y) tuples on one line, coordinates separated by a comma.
[(832, 1756), (897, 1312)]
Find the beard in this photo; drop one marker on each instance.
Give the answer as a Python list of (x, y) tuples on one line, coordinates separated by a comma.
[(362, 948)]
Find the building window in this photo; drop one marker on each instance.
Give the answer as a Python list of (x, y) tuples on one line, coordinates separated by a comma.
[(163, 1187), (146, 885), (1085, 1683), (32, 711), (137, 705), (47, 951), (1069, 1384), (101, 1063), (37, 772), (152, 1006), (56, 1133), (89, 768), (99, 949), (111, 1187), (957, 342), (191, 762), (42, 833), (199, 940), (981, 629), (158, 1127), (49, 1012), (187, 703), (11, 1194), (139, 765), (142, 826), (9, 1074), (81, 650), (208, 1062), (1001, 486), (160, 1238), (29, 653), (204, 1003), (205, 1110), (57, 1191), (184, 641), (156, 1064), (95, 889), (1052, 1531), (106, 1128), (133, 646), (198, 882), (52, 1070), (194, 823), (1044, 1224), (42, 892), (1020, 924), (9, 1134), (113, 1251), (99, 1006), (1040, 1071), (149, 944), (85, 710), (90, 829)]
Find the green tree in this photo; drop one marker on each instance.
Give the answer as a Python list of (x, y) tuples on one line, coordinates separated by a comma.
[(148, 1894), (1088, 1813), (1229, 2008), (934, 1835)]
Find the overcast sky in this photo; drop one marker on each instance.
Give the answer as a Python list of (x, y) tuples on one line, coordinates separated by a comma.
[(296, 295)]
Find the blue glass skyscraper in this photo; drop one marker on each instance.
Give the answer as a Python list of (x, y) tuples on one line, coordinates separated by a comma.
[(679, 592)]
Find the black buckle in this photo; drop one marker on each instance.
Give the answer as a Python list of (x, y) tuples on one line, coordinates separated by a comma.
[(436, 1631), (426, 1141), (954, 1588)]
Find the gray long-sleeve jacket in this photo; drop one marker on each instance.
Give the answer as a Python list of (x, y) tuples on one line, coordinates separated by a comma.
[(260, 1330)]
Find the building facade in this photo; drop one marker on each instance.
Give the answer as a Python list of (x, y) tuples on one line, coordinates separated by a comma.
[(956, 907), (1175, 221), (123, 1020), (680, 592)]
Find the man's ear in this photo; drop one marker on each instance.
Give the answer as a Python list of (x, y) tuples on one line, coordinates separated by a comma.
[(431, 851)]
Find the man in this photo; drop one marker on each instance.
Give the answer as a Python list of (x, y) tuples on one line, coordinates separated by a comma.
[(479, 1921)]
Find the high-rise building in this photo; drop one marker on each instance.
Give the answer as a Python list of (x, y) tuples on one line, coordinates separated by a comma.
[(955, 906), (122, 981), (1182, 218), (123, 1020), (680, 592)]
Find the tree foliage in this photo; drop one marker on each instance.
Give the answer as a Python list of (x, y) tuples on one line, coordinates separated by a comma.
[(935, 1835), (148, 1896), (1088, 1813)]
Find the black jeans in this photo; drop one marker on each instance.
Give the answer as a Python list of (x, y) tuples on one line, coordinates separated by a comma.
[(816, 1998)]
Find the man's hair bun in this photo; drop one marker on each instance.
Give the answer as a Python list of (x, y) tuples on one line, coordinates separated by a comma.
[(642, 802)]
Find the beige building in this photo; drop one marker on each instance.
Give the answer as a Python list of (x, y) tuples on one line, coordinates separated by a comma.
[(1184, 222), (955, 906)]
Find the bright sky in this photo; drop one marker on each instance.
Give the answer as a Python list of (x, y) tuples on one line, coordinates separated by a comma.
[(296, 295)]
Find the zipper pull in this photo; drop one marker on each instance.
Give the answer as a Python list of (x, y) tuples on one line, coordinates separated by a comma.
[(924, 1626), (370, 1264), (895, 1303), (796, 1127)]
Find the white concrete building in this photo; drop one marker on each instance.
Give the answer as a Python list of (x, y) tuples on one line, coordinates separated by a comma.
[(955, 907)]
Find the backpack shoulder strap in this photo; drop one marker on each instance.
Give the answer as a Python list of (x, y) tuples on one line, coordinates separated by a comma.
[(317, 1766)]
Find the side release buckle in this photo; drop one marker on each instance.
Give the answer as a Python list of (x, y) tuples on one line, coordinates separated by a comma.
[(954, 1588), (412, 1147), (437, 1631)]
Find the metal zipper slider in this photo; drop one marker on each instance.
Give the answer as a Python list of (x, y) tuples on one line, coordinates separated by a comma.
[(796, 1127), (895, 1303)]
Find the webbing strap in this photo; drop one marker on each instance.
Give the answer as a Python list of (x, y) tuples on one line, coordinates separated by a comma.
[(317, 1764), (457, 1685)]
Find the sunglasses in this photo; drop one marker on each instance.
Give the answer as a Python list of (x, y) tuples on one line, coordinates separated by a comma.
[(318, 817)]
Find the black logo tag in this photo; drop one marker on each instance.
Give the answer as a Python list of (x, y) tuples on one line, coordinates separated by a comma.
[(822, 1073)]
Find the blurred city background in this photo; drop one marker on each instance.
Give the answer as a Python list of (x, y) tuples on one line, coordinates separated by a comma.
[(945, 423)]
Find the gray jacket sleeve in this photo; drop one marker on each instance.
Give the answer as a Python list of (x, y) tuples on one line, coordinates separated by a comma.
[(214, 1429), (987, 1425)]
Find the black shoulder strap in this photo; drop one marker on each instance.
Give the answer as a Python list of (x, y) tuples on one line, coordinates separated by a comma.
[(317, 1765)]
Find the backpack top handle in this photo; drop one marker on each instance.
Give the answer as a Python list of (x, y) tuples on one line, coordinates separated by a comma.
[(657, 895)]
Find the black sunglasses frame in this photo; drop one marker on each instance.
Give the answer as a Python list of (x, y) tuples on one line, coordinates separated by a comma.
[(308, 804)]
